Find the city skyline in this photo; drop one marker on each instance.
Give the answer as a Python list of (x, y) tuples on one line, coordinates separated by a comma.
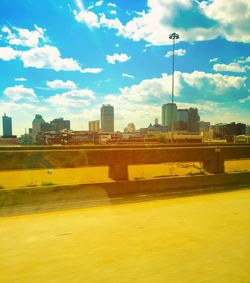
[(111, 52)]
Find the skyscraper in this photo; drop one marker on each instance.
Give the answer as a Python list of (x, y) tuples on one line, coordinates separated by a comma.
[(7, 126), (182, 119), (194, 119), (37, 126), (107, 118), (169, 115)]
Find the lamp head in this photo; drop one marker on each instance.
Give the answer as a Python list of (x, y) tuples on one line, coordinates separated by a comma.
[(174, 35)]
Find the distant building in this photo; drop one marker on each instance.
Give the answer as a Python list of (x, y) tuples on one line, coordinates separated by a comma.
[(7, 126), (207, 135), (38, 125), (247, 130), (94, 126), (10, 140), (130, 128), (193, 120), (169, 115), (228, 131), (59, 124), (107, 118), (182, 119), (204, 126)]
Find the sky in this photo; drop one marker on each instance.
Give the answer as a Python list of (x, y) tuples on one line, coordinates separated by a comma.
[(65, 58)]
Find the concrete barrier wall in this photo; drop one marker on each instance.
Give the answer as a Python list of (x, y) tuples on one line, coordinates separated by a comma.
[(56, 196), (64, 158)]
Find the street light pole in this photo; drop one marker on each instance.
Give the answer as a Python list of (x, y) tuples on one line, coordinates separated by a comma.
[(173, 36)]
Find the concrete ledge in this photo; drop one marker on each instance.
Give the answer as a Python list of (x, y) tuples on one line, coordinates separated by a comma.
[(37, 196)]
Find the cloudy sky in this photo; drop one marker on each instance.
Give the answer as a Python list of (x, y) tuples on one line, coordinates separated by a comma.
[(65, 58)]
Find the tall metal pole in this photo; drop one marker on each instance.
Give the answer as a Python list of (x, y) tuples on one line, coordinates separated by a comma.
[(173, 36), (173, 72)]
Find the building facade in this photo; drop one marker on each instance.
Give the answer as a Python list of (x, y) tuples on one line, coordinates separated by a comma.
[(59, 124), (7, 126), (37, 125), (193, 119), (169, 115), (182, 119), (107, 118), (94, 126)]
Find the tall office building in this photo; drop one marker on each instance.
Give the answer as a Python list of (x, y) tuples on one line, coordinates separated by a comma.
[(194, 119), (169, 115), (94, 126), (37, 124), (7, 126), (182, 119), (107, 118), (59, 124)]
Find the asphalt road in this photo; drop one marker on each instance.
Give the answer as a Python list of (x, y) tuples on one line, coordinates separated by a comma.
[(203, 238)]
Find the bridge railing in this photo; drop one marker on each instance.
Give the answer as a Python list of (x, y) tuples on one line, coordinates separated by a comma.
[(119, 159)]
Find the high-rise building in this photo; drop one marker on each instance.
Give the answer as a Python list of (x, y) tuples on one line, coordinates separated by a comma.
[(194, 119), (7, 126), (37, 125), (94, 126), (59, 124), (247, 130), (182, 119), (107, 118), (169, 115)]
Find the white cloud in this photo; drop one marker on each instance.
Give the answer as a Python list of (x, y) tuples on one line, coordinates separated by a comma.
[(212, 84), (112, 59), (42, 109), (20, 79), (79, 5), (178, 52), (91, 70), (194, 21), (213, 60), (46, 57), (87, 17), (113, 12), (8, 53), (99, 3), (24, 37), (195, 86), (127, 76), (19, 92), (111, 24), (234, 19), (232, 67), (72, 98), (59, 84), (245, 99), (244, 61), (111, 5)]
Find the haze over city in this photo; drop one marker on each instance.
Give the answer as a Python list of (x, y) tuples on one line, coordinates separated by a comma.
[(67, 58)]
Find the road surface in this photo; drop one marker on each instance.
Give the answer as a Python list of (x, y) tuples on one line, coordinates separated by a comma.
[(203, 238)]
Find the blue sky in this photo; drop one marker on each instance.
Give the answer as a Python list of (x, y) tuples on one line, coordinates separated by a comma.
[(66, 58)]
